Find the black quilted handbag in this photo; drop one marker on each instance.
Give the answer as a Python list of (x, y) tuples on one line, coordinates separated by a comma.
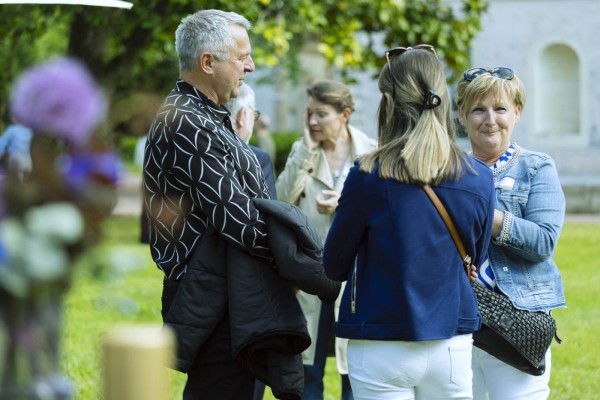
[(520, 338)]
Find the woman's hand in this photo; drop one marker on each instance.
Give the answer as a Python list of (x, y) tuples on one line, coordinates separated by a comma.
[(309, 142), (473, 275), (327, 202), (498, 222)]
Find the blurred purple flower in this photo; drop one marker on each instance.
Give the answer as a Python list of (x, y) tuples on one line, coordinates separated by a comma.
[(80, 168), (59, 97)]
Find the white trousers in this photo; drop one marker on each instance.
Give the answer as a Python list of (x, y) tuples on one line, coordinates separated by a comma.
[(500, 381), (398, 370)]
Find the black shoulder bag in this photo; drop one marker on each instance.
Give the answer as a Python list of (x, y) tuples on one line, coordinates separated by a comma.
[(519, 338)]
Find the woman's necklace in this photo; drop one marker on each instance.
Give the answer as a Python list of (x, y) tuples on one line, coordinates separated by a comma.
[(335, 175), (338, 164)]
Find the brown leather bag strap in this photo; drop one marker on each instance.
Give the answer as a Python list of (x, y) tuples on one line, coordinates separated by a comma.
[(451, 228)]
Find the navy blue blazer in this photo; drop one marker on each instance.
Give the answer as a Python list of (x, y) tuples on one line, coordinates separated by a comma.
[(405, 276), (267, 166)]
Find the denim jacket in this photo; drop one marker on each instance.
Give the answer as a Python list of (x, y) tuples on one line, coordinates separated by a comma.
[(529, 192)]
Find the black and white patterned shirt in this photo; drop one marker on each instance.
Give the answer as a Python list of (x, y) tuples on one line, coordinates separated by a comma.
[(197, 172)]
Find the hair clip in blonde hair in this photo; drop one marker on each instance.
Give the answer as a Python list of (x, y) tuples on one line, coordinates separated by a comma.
[(432, 100)]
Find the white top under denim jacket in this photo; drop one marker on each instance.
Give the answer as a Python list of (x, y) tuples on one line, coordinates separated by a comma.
[(522, 256)]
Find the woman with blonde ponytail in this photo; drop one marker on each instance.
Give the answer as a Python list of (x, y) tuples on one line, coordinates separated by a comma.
[(408, 309)]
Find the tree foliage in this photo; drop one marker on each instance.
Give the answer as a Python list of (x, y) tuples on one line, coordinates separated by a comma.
[(132, 50)]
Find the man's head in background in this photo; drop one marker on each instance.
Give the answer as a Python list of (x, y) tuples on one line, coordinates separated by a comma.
[(243, 112)]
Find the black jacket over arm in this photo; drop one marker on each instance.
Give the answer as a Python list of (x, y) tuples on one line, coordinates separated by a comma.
[(268, 328)]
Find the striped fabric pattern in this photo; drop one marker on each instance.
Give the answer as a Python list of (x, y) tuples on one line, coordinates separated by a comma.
[(505, 158), (197, 172), (485, 274)]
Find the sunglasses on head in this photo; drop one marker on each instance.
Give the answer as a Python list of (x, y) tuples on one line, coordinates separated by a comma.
[(498, 72), (396, 51)]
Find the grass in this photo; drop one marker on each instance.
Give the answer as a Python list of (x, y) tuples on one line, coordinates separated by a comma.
[(130, 293), (575, 362)]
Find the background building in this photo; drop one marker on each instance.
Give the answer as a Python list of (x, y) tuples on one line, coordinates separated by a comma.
[(552, 46)]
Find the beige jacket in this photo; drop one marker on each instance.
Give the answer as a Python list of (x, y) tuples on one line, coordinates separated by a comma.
[(306, 173)]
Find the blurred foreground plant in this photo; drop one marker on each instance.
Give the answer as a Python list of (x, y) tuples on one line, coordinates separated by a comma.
[(49, 220)]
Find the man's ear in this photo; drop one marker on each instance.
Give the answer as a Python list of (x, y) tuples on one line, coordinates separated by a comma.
[(206, 63), (240, 119)]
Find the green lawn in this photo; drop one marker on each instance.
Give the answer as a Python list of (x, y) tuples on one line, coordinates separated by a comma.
[(129, 292)]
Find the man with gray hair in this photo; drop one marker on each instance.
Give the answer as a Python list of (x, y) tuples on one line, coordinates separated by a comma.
[(200, 178), (244, 114)]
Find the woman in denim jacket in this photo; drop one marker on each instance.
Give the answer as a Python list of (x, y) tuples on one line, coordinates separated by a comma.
[(527, 221)]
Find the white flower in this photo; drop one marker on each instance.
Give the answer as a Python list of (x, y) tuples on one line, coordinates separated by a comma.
[(13, 235), (44, 260), (12, 278), (58, 221), (36, 246)]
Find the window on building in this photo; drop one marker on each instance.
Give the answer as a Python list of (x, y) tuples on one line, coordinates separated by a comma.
[(558, 107)]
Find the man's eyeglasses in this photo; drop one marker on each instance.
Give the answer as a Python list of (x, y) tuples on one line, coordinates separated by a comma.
[(498, 72), (256, 115), (396, 51)]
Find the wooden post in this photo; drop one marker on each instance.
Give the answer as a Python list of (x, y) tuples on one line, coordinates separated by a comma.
[(136, 359)]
